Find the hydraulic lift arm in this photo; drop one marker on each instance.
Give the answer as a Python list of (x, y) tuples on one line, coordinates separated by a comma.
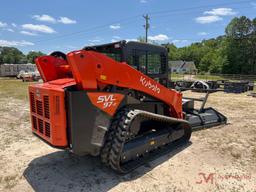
[(93, 70)]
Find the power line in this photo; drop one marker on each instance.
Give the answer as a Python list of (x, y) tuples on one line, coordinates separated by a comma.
[(159, 13)]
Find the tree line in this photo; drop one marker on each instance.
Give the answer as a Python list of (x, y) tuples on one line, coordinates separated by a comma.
[(12, 55), (232, 53)]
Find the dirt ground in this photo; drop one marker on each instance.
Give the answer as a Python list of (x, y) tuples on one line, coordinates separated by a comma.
[(217, 159)]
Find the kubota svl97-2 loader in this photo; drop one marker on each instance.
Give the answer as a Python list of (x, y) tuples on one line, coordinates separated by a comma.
[(112, 101)]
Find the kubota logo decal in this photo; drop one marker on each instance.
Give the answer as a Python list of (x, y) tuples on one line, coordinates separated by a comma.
[(147, 83), (107, 100)]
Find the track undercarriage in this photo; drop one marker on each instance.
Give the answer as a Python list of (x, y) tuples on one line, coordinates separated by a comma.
[(136, 136)]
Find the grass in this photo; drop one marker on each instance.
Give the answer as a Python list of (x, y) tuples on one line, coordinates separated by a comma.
[(209, 77), (14, 88), (175, 76)]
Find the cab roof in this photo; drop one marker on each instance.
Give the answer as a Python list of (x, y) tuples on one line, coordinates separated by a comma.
[(128, 45)]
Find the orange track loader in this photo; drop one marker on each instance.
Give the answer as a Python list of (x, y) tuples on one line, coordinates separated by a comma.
[(112, 101)]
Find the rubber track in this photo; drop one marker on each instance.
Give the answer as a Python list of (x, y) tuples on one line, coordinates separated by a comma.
[(110, 135), (120, 131)]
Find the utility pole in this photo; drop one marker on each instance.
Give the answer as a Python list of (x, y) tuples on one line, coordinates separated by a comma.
[(146, 26)]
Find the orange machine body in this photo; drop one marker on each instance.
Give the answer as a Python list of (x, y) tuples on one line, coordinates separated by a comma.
[(90, 72)]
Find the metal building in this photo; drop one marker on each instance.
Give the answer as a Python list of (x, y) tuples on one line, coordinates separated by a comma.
[(8, 70)]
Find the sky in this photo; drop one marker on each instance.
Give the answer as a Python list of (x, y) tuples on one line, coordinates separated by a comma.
[(51, 25)]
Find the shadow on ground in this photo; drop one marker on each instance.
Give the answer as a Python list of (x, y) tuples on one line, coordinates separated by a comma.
[(63, 171)]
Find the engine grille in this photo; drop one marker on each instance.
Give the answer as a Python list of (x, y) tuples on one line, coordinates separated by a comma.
[(32, 102), (47, 129), (48, 113), (41, 125), (34, 122), (40, 108)]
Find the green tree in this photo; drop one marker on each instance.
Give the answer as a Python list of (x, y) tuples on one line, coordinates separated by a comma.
[(32, 55), (235, 52), (173, 52), (207, 62), (11, 55), (240, 43)]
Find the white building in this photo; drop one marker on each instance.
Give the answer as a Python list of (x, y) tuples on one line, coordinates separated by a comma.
[(182, 67), (14, 69)]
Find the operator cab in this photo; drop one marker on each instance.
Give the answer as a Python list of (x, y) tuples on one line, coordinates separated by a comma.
[(149, 59)]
